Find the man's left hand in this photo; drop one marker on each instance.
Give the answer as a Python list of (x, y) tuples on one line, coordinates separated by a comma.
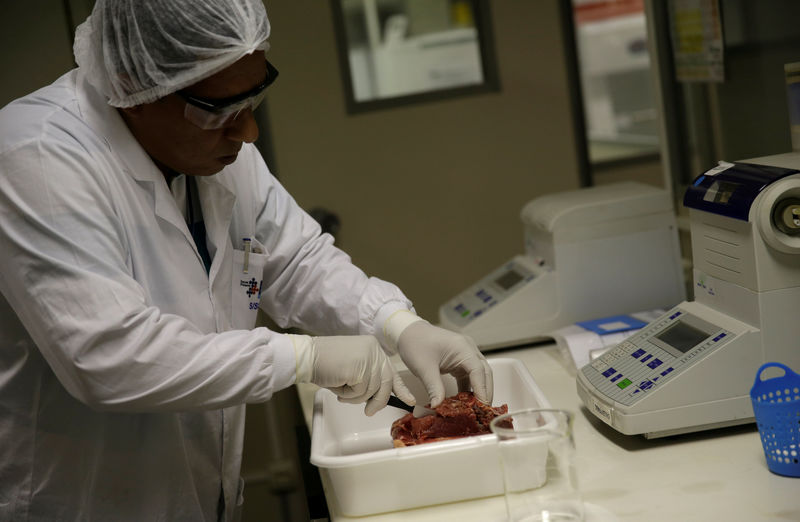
[(430, 351)]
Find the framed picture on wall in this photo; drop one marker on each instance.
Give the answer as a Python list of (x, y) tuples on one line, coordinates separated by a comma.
[(396, 52)]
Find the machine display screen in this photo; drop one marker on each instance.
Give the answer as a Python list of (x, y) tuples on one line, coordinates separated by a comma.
[(720, 192), (508, 279), (682, 337)]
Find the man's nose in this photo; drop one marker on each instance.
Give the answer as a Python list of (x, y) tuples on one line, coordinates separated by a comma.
[(243, 128)]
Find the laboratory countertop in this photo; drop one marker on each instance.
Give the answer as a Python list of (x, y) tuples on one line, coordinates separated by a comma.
[(714, 475)]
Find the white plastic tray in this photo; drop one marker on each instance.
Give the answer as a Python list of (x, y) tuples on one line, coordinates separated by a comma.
[(368, 475)]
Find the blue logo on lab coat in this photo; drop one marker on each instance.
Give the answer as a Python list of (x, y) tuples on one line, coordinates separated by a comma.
[(253, 287)]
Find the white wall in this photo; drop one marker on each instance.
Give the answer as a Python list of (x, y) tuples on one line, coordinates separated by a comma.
[(429, 195)]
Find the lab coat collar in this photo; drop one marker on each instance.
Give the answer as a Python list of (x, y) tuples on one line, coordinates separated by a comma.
[(216, 199), (108, 123)]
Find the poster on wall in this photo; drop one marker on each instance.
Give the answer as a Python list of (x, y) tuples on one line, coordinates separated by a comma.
[(697, 42)]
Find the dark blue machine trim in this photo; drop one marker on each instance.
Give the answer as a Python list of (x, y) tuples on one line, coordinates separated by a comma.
[(743, 182)]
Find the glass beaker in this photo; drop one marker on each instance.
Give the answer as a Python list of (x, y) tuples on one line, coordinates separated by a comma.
[(537, 456)]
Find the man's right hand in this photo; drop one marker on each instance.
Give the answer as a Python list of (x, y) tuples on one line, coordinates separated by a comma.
[(354, 367)]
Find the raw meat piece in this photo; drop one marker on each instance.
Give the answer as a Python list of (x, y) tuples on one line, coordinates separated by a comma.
[(461, 415)]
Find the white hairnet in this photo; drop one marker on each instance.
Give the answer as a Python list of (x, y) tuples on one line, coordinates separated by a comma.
[(137, 51)]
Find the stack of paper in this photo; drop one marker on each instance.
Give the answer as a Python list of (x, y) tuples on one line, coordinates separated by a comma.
[(582, 342)]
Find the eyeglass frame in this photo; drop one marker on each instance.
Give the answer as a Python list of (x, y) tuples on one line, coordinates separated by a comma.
[(217, 106)]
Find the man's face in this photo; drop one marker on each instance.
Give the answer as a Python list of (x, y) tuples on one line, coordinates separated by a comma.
[(176, 144)]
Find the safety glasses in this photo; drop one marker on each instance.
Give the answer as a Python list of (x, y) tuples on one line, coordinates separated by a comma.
[(217, 113)]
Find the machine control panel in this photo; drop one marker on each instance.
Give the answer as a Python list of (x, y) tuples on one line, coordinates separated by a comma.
[(486, 293), (643, 362)]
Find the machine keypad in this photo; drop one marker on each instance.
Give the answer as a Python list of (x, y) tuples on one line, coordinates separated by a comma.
[(639, 365)]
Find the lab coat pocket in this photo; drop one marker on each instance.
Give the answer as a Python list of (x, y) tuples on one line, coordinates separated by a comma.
[(247, 278)]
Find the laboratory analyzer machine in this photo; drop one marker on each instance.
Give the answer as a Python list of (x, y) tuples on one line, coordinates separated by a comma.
[(589, 253), (691, 369)]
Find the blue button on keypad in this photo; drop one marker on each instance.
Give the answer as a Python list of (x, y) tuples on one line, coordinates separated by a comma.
[(655, 363)]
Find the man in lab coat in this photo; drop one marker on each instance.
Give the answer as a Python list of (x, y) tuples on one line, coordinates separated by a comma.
[(140, 233)]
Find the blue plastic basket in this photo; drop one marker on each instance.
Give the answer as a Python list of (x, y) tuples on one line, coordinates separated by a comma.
[(776, 404)]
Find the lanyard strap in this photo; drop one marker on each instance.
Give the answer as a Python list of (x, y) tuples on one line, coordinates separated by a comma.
[(195, 222)]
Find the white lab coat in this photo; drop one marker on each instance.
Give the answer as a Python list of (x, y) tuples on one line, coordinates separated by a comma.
[(122, 372)]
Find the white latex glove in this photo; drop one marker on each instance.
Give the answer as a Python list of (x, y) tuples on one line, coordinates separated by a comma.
[(354, 367), (430, 351)]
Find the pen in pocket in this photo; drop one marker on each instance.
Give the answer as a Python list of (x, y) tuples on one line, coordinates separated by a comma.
[(246, 254)]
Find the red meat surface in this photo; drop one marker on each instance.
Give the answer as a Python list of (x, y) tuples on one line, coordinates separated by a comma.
[(461, 415)]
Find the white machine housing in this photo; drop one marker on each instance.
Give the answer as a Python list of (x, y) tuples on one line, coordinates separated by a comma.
[(692, 368), (589, 253)]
